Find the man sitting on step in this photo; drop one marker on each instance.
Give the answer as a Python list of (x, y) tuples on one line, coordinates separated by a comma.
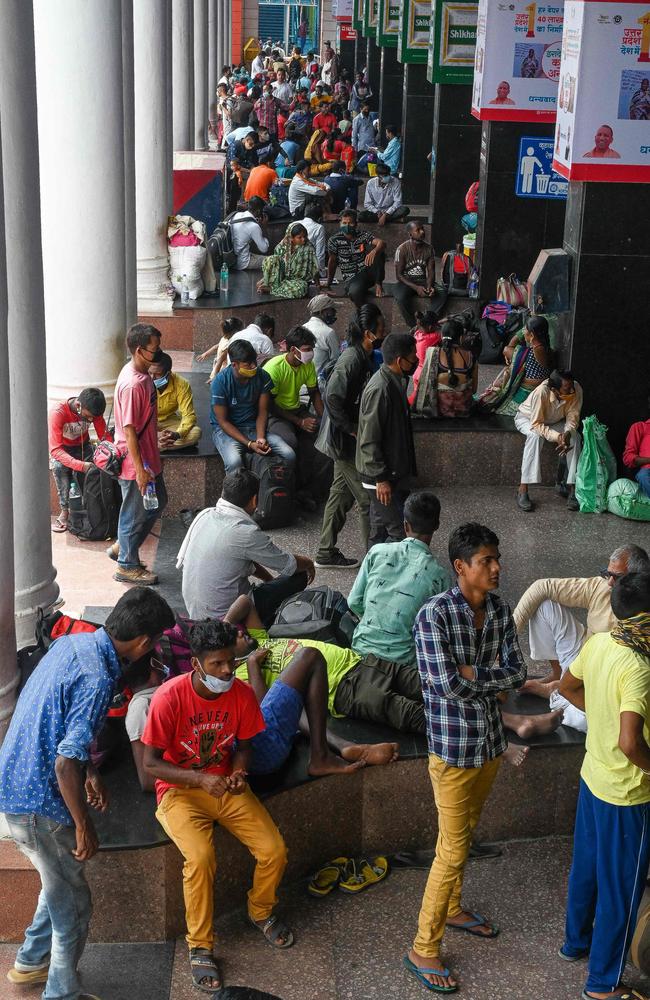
[(177, 424), (554, 632), (383, 198)]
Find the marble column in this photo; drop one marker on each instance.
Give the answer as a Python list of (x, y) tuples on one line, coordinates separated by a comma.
[(221, 45), (9, 676), (183, 72), (200, 74), (227, 54), (417, 131), (130, 257), (34, 574), (79, 72), (152, 175), (214, 69)]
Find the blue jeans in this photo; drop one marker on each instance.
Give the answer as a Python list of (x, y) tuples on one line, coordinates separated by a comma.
[(643, 479), (135, 522), (610, 863), (60, 925), (234, 452)]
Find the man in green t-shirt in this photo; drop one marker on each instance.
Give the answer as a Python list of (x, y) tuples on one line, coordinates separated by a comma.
[(294, 680), (610, 682), (291, 420)]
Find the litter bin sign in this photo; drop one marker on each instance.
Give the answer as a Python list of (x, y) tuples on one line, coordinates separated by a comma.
[(535, 175)]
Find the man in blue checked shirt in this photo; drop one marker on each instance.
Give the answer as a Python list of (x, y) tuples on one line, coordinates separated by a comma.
[(468, 654), (47, 782)]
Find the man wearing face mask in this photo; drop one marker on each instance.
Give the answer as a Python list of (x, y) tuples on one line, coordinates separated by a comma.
[(292, 420), (198, 748), (360, 257), (177, 424), (69, 443), (322, 311), (240, 396), (47, 781), (415, 270), (363, 132), (136, 437), (383, 200), (385, 454)]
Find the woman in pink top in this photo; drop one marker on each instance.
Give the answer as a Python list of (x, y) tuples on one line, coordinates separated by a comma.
[(427, 334)]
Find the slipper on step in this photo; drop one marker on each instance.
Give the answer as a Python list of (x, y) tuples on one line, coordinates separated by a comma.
[(364, 872), (324, 880), (420, 975), (478, 921), (22, 977), (59, 526)]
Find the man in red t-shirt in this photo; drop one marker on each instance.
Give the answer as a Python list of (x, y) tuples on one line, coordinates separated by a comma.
[(636, 455), (197, 747), (325, 120), (69, 445), (136, 437)]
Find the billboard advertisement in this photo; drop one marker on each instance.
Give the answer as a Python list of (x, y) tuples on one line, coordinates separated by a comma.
[(388, 23), (414, 28), (452, 41)]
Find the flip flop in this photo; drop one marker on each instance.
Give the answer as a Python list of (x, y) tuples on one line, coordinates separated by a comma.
[(273, 929), (632, 995), (478, 921), (21, 977), (420, 974), (324, 880), (364, 872), (59, 526)]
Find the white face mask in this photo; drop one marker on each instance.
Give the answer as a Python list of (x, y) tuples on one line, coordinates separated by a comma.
[(306, 356), (215, 684)]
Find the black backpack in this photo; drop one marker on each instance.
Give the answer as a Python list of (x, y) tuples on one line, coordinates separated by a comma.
[(220, 245), (455, 281), (492, 342), (275, 498), (94, 516), (319, 613)]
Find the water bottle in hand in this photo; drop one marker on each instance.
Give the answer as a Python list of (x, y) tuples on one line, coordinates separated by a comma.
[(150, 498), (224, 277)]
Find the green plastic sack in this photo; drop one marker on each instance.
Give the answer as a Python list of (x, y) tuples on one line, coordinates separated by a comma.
[(596, 467), (626, 499)]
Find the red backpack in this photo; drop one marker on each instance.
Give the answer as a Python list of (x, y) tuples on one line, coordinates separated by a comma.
[(471, 198)]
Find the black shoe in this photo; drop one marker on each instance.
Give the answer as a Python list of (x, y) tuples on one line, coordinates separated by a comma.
[(336, 559), (562, 489), (524, 502), (572, 503), (481, 851), (306, 502)]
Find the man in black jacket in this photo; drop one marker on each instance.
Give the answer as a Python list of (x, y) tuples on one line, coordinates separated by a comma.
[(342, 399), (385, 454)]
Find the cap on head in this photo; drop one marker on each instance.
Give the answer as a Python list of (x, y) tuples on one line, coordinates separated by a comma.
[(319, 304)]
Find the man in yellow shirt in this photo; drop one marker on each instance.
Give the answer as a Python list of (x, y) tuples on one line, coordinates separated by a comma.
[(177, 424), (610, 682)]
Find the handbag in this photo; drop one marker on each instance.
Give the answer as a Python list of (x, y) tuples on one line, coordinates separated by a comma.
[(512, 290), (108, 457)]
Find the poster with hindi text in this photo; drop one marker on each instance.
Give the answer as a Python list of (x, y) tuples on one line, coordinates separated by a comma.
[(602, 131), (517, 60)]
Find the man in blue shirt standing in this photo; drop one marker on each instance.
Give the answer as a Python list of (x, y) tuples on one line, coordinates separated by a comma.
[(47, 782), (468, 653)]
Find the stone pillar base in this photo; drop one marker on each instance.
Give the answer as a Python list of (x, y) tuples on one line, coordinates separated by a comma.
[(155, 294)]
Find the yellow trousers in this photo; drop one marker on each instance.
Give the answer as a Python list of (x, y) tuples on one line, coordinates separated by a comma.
[(459, 794), (172, 424), (188, 815)]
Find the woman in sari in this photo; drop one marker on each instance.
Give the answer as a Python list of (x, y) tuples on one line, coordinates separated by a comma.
[(291, 267), (529, 360), (448, 377)]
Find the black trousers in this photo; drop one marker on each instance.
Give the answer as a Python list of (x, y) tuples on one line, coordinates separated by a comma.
[(396, 216), (364, 281), (267, 597), (387, 523), (382, 692), (409, 302)]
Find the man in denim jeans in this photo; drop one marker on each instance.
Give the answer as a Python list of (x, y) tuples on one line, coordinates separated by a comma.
[(136, 436), (47, 782)]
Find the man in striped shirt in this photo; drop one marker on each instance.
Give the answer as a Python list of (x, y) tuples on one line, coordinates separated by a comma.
[(467, 653)]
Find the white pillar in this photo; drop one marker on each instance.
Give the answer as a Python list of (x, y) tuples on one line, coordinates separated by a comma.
[(200, 74), (183, 72), (152, 175), (221, 13), (9, 676), (214, 70), (34, 573), (81, 146), (130, 268), (227, 58)]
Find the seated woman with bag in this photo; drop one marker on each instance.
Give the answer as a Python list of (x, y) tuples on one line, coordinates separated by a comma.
[(449, 376), (427, 334), (530, 360), (291, 267)]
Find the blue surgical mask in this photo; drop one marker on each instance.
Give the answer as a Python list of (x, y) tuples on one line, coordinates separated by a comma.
[(215, 684), (161, 382)]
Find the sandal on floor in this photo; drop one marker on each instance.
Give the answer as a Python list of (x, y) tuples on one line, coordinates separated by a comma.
[(364, 872), (420, 974), (327, 878), (59, 525), (203, 966), (572, 958), (478, 921), (631, 995), (24, 977), (273, 929)]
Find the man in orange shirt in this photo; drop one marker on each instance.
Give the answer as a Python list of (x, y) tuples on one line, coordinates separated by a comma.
[(325, 120), (260, 181)]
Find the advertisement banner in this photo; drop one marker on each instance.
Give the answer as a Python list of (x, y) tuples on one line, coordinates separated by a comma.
[(388, 23), (370, 18), (414, 28), (347, 33), (517, 62), (452, 41), (342, 9), (602, 131), (357, 14)]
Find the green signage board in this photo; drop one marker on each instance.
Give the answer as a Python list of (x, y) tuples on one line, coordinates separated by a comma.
[(388, 23), (357, 14), (370, 18), (452, 41), (414, 27)]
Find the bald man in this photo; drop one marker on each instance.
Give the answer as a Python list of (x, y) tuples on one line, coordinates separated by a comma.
[(415, 270)]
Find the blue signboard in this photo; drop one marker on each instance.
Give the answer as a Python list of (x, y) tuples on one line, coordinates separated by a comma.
[(535, 175)]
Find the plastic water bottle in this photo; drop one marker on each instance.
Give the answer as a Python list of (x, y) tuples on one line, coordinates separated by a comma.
[(150, 498), (472, 284), (74, 496), (185, 295), (223, 282)]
